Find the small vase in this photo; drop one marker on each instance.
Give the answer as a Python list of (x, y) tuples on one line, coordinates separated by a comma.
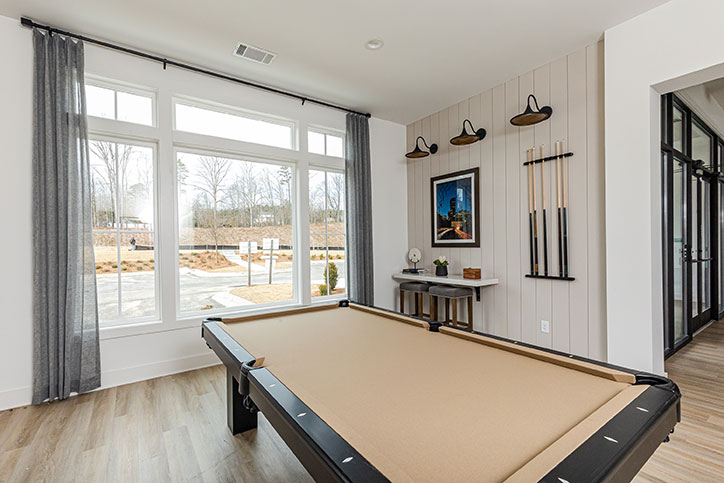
[(441, 271)]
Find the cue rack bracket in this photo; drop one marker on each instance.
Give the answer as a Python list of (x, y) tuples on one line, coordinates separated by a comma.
[(560, 208)]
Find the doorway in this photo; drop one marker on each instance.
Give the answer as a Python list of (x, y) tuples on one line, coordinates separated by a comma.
[(693, 212)]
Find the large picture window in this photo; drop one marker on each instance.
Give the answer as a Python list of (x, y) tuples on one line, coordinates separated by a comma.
[(228, 207), (327, 233), (123, 213)]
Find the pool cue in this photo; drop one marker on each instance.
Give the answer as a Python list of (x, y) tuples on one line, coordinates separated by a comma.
[(560, 217), (545, 223), (530, 214), (565, 214), (535, 218)]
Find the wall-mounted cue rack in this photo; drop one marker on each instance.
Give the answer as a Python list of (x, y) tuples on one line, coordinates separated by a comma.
[(540, 268)]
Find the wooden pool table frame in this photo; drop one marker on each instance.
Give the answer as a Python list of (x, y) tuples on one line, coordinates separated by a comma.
[(328, 457)]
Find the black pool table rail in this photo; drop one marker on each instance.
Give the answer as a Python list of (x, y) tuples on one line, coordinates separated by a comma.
[(615, 452)]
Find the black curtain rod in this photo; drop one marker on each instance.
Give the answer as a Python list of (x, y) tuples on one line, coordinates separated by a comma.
[(27, 22)]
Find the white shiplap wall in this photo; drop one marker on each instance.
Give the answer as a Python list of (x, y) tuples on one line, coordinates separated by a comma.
[(573, 86)]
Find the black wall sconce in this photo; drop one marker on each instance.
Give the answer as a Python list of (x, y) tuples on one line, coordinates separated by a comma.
[(467, 138), (419, 153), (529, 116)]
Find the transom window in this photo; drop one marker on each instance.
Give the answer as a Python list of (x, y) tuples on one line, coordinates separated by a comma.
[(119, 103), (228, 123), (325, 143)]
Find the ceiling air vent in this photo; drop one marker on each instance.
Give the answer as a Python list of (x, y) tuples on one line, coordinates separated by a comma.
[(255, 54)]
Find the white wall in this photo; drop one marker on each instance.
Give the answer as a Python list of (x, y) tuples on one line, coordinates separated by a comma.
[(389, 207), (173, 345), (671, 47)]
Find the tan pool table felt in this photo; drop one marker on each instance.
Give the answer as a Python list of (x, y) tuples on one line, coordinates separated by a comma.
[(426, 406)]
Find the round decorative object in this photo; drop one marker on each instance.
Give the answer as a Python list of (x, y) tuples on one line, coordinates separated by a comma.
[(414, 255)]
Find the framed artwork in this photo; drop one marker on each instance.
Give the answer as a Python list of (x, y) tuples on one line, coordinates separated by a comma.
[(455, 217)]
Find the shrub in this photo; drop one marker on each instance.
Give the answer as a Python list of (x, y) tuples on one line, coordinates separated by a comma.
[(332, 278), (123, 262), (98, 267), (314, 257), (140, 267), (152, 260), (323, 290), (124, 269), (114, 266)]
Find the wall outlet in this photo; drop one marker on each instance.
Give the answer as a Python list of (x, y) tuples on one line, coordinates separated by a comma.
[(545, 326)]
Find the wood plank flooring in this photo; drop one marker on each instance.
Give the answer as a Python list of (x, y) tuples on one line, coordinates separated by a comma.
[(696, 450), (167, 429), (173, 429)]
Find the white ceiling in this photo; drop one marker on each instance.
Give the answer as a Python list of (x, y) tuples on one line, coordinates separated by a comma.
[(436, 53)]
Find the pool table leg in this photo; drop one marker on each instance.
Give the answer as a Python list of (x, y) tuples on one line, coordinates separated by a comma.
[(238, 418)]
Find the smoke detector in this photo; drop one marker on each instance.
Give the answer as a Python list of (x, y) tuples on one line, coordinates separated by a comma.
[(255, 54)]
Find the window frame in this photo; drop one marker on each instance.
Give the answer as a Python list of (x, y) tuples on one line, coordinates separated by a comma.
[(326, 131), (127, 88), (330, 297), (238, 156), (157, 315), (221, 108)]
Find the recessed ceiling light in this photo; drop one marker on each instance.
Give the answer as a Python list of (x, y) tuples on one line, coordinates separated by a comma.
[(374, 44)]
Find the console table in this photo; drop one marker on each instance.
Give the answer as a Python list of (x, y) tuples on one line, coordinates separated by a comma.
[(454, 280)]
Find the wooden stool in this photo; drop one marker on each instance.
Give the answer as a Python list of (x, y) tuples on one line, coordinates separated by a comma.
[(451, 293), (417, 289)]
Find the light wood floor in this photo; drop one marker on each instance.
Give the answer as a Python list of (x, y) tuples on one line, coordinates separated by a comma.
[(173, 429), (696, 450)]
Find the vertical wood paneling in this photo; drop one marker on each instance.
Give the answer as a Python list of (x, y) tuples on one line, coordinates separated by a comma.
[(543, 289), (527, 285), (560, 307), (512, 182), (500, 215), (573, 86), (576, 167), (596, 205)]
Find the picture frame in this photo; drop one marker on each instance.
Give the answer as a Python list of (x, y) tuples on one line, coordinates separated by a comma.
[(455, 215)]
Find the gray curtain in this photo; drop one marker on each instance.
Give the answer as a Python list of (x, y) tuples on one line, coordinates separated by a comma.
[(66, 355), (358, 180)]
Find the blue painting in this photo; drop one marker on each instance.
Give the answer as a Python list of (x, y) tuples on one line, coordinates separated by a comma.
[(454, 209)]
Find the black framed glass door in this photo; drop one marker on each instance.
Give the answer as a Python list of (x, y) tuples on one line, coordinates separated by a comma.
[(693, 222)]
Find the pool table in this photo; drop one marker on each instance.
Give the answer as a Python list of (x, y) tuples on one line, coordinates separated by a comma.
[(364, 394)]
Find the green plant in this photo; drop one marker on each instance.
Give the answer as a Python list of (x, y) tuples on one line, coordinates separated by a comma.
[(98, 267), (140, 267), (124, 269), (323, 290), (123, 262), (441, 261), (114, 266), (152, 260), (331, 276), (314, 257)]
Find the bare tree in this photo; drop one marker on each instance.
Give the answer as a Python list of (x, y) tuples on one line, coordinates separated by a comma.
[(115, 159), (211, 175)]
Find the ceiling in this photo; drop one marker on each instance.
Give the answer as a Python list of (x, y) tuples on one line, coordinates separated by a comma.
[(436, 53)]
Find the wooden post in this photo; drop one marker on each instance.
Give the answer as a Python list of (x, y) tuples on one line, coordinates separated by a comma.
[(248, 263)]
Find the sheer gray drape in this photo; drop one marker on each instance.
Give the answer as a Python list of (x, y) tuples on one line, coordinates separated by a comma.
[(65, 320), (359, 210)]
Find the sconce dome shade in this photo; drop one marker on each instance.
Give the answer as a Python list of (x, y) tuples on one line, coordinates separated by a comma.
[(419, 153), (467, 138), (530, 116)]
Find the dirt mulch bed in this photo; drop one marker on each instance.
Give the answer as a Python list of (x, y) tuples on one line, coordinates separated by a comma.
[(143, 261), (278, 292)]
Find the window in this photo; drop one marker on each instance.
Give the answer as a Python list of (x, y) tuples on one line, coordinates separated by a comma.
[(701, 143), (119, 103), (227, 208), (326, 143), (326, 218), (227, 123), (123, 214)]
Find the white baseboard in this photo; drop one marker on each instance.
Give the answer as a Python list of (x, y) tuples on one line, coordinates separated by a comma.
[(23, 396)]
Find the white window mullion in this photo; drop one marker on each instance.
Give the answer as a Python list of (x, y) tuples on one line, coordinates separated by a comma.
[(167, 221)]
